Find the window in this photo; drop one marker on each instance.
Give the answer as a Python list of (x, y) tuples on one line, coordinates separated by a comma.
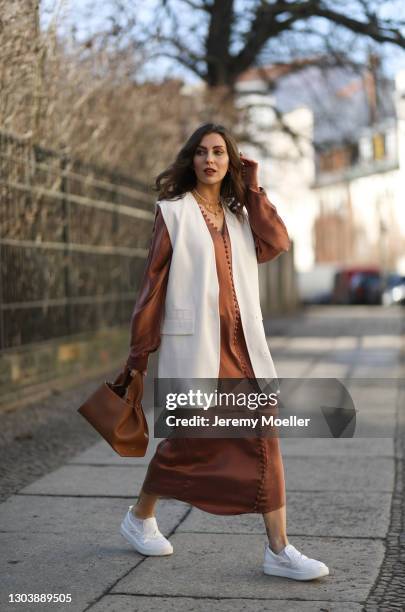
[(379, 146), (338, 158)]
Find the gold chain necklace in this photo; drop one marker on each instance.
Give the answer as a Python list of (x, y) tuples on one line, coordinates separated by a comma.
[(207, 204)]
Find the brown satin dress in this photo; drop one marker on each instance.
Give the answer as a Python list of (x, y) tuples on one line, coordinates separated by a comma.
[(218, 475)]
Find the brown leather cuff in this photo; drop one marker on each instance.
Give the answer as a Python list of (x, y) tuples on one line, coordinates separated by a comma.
[(139, 362)]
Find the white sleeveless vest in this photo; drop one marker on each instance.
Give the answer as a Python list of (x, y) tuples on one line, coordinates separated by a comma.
[(190, 331)]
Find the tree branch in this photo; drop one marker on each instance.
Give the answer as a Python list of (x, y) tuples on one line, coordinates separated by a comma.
[(198, 7), (375, 29), (269, 21)]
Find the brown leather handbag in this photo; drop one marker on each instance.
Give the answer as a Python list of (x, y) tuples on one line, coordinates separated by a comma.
[(116, 412)]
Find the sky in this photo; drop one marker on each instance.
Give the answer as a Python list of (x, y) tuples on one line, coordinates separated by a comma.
[(88, 16), (87, 20)]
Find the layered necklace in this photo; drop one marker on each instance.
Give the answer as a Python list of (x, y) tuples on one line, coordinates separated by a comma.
[(213, 207)]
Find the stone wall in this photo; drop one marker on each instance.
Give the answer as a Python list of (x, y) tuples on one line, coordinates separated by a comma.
[(35, 371)]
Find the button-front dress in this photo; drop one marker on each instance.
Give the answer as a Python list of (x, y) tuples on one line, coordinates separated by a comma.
[(218, 475)]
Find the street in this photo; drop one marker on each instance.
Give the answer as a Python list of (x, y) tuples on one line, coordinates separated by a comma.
[(345, 497)]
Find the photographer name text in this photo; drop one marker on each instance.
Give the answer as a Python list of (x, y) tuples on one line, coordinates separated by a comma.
[(269, 421)]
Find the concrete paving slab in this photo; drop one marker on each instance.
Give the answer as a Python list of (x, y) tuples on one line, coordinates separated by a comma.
[(381, 357), (375, 424), (382, 341), (344, 343), (372, 421), (347, 447), (206, 565), (84, 559), (328, 370), (392, 370), (381, 391), (129, 603), (366, 406), (277, 342), (339, 474), (292, 368), (102, 453), (372, 407), (90, 480), (59, 515), (81, 566), (375, 409), (362, 515), (317, 344)]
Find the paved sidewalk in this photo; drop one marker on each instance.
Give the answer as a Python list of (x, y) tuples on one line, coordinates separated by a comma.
[(60, 534)]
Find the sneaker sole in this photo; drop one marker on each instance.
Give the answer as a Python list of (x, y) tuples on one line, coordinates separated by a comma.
[(139, 548), (295, 574)]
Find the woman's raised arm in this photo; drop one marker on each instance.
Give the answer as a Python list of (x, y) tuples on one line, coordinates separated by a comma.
[(269, 232)]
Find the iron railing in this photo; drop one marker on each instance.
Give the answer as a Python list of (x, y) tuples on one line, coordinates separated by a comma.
[(73, 243)]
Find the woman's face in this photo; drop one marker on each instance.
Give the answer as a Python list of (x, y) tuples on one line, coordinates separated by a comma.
[(211, 153)]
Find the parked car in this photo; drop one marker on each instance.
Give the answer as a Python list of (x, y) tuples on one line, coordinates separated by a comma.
[(394, 290), (358, 285), (366, 288)]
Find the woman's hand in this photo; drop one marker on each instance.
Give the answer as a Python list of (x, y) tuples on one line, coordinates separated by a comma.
[(249, 171)]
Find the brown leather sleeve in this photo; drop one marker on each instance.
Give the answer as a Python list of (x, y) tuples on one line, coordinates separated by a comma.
[(148, 311), (269, 232)]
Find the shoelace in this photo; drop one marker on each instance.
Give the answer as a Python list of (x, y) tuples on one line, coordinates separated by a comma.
[(150, 534), (295, 555)]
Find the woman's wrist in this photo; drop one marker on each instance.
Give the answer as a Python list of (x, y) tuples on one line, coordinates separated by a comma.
[(255, 188), (134, 372), (137, 361)]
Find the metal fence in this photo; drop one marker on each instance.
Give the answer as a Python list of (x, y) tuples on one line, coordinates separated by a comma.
[(73, 243)]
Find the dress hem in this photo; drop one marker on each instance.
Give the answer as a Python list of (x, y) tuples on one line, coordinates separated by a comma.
[(200, 507)]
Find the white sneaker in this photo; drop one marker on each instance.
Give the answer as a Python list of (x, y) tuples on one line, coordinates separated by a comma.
[(144, 535), (290, 563)]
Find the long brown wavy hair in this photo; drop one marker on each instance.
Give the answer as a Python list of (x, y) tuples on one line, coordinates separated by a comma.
[(180, 177)]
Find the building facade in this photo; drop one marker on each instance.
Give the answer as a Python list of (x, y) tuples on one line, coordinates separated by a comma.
[(339, 182)]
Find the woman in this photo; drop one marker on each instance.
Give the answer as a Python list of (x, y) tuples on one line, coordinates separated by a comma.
[(199, 303)]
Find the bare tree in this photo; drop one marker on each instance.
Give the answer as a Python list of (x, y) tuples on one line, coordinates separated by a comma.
[(91, 97), (18, 38), (84, 96), (218, 40)]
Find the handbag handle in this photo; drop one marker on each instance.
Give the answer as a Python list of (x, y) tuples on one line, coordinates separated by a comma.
[(124, 378), (135, 390)]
